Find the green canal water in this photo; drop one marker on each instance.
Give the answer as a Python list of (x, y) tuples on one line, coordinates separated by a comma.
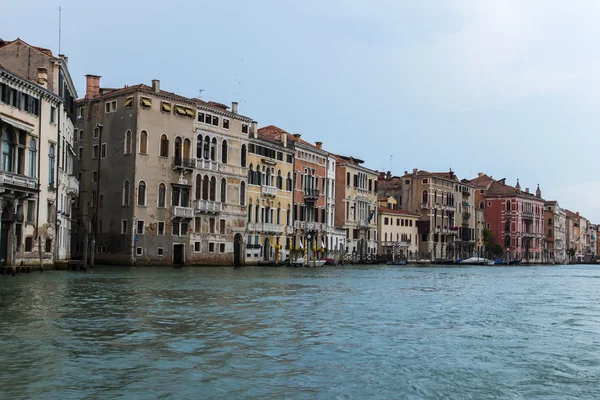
[(354, 332)]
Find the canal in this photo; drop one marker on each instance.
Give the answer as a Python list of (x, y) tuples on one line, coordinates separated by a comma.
[(354, 332)]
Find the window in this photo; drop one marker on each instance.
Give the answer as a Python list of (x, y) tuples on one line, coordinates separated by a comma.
[(110, 106), (196, 247), (79, 153), (123, 226), (222, 247), (223, 190), (507, 205), (225, 123), (489, 203), (549, 232), (125, 195), (386, 221), (101, 201), (224, 152), (141, 196), (160, 230), (28, 244), (425, 197), (160, 251), (425, 180), (32, 159), (242, 193), (215, 120), (95, 152), (243, 156), (211, 247), (162, 194), (81, 134), (165, 106), (103, 150), (211, 224), (140, 228), (244, 128), (129, 102), (200, 117), (30, 211), (94, 176), (164, 146), (143, 142), (179, 110), (146, 102), (50, 165), (139, 251), (80, 114), (127, 149), (222, 227), (52, 114)]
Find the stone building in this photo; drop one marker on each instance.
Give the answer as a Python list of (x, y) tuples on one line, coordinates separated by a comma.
[(397, 229), (356, 206), (163, 177), (555, 232), (37, 185), (573, 236), (270, 189), (335, 237)]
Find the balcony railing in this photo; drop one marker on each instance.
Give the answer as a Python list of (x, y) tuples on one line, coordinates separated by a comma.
[(269, 190), (466, 215), (313, 226), (363, 223), (208, 206), (265, 227), (399, 244), (72, 185), (528, 234), (528, 214), (289, 229), (424, 206), (299, 224), (25, 182), (182, 212), (183, 163), (450, 208), (311, 194), (207, 164)]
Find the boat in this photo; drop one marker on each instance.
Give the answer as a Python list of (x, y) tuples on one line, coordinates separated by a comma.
[(300, 262), (329, 261), (515, 262), (477, 261), (396, 262)]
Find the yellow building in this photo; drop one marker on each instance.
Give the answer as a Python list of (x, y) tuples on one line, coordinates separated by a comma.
[(270, 188), (398, 231)]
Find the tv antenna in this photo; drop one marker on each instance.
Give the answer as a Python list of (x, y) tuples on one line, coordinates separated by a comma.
[(391, 157), (200, 93), (59, 26)]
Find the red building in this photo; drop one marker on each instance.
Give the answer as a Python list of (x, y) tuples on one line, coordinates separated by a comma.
[(515, 217)]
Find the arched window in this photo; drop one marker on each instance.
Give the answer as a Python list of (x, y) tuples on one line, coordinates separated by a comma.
[(385, 237), (251, 175), (164, 146), (125, 196), (288, 183), (205, 184), (224, 152), (250, 213), (32, 158), (425, 198), (279, 215), (141, 195), (213, 150), (199, 146), (481, 205), (8, 150), (127, 149), (177, 151), (288, 215), (223, 190), (213, 188), (243, 193), (243, 156), (143, 142), (186, 149), (206, 147), (50, 165), (507, 205), (162, 194), (198, 187), (279, 180)]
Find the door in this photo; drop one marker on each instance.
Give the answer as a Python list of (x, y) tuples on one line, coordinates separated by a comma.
[(267, 249), (178, 254), (4, 231), (237, 250)]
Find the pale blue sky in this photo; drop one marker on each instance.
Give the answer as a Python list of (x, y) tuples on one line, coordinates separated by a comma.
[(509, 87)]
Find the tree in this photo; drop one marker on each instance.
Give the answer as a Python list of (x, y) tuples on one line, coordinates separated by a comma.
[(490, 244)]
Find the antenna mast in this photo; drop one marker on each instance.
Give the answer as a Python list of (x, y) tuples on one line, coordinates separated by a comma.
[(59, 26), (391, 156), (200, 93)]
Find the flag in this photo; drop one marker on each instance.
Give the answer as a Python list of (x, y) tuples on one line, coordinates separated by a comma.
[(371, 215)]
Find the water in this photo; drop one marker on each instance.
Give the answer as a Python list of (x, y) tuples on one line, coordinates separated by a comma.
[(354, 332)]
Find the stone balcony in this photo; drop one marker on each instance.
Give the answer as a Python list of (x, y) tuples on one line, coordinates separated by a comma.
[(363, 223), (70, 182), (266, 227), (528, 234), (183, 164), (18, 181), (209, 165), (466, 215), (527, 214), (299, 224), (268, 190), (392, 244), (182, 212), (313, 226), (311, 194), (208, 206)]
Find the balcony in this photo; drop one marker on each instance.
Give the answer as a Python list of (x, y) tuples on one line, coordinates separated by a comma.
[(527, 214), (184, 163), (424, 206), (466, 216), (268, 190), (528, 234), (208, 206), (72, 184), (207, 164), (465, 191), (182, 212), (402, 245), (19, 181), (450, 208), (265, 227), (313, 226), (363, 223), (299, 224), (311, 194), (289, 230)]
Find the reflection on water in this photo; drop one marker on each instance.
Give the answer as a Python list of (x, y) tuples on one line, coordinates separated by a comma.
[(359, 332)]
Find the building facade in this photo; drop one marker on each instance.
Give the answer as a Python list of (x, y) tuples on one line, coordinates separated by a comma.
[(397, 229), (270, 188), (36, 111), (180, 194), (356, 206), (555, 232)]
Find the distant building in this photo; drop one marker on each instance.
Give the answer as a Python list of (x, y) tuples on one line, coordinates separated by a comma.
[(555, 232), (36, 181), (397, 229)]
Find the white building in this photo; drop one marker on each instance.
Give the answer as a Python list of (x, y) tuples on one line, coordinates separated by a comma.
[(336, 237)]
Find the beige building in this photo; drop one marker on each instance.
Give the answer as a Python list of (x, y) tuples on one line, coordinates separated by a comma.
[(36, 184), (270, 190), (356, 206), (397, 229), (179, 196)]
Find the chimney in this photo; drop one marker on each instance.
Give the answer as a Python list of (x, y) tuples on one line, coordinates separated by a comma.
[(297, 136), (254, 129), (42, 77), (381, 176), (234, 106), (319, 145), (65, 58), (526, 190), (480, 174), (92, 86), (156, 85), (284, 139), (389, 174), (518, 186), (415, 170)]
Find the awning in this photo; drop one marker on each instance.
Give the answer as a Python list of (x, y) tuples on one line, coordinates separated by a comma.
[(190, 112), (180, 110), (24, 126), (129, 102), (165, 106), (146, 102)]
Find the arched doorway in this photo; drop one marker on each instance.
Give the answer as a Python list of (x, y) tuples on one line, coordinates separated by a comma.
[(267, 249), (237, 250)]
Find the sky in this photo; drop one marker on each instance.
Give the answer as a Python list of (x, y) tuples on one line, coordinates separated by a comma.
[(510, 88)]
